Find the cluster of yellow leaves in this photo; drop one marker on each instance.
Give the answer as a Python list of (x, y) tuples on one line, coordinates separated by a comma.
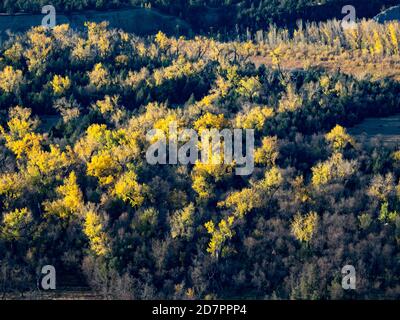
[(10, 79), (99, 76), (70, 200), (20, 138), (40, 45), (271, 182), (202, 187), (334, 168), (98, 36), (268, 153), (121, 144), (291, 101), (220, 235), (68, 110), (339, 138), (81, 51), (99, 42), (180, 68), (382, 187), (28, 144), (254, 119), (134, 79), (10, 185), (165, 123), (60, 84), (63, 36), (95, 139), (250, 88), (396, 156), (129, 190), (14, 222), (42, 162), (276, 55), (242, 203), (182, 222), (386, 215), (227, 81), (377, 48), (210, 121), (20, 122), (303, 227), (104, 167), (93, 229), (108, 105), (162, 40), (14, 53), (394, 36), (214, 163)]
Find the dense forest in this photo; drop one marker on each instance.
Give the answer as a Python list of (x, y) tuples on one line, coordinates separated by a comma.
[(77, 192)]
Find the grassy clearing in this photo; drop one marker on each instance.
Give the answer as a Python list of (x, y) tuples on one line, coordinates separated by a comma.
[(386, 129)]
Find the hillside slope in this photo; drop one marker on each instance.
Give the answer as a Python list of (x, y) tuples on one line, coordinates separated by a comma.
[(136, 20)]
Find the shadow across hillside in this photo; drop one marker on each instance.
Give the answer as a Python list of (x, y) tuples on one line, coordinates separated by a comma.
[(135, 20)]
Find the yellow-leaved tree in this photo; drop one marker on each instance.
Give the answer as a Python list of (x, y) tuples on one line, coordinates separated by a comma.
[(303, 227), (20, 137), (129, 190), (14, 223), (10, 79), (182, 222), (60, 84), (104, 167), (70, 200), (255, 118), (268, 153), (339, 138), (94, 230), (219, 235), (99, 77), (335, 168)]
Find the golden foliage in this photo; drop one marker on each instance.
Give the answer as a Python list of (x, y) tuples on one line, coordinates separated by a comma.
[(255, 118), (334, 168), (210, 121), (40, 46), (339, 138), (70, 200), (303, 227), (220, 235), (60, 84), (10, 79), (268, 152), (202, 187), (382, 187), (182, 222), (42, 162), (104, 167), (93, 229), (99, 76), (129, 190), (14, 53), (14, 222), (243, 201), (11, 185), (20, 138), (108, 105)]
